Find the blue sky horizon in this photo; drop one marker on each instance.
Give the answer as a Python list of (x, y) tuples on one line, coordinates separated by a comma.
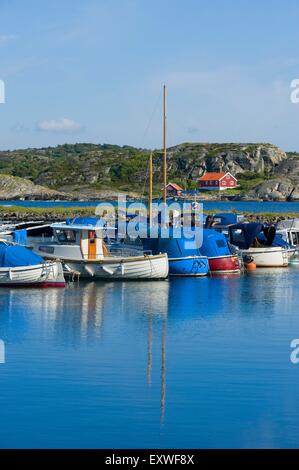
[(93, 71)]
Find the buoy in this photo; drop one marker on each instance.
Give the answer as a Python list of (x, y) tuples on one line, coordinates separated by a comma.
[(250, 266)]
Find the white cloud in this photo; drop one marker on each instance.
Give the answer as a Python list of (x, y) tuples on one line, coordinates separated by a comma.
[(59, 125), (6, 38)]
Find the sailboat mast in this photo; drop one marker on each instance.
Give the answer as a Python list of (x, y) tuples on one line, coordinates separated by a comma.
[(164, 146), (150, 199)]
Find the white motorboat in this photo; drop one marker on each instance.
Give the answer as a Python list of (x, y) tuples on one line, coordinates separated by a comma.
[(254, 241), (80, 246), (19, 267), (288, 230)]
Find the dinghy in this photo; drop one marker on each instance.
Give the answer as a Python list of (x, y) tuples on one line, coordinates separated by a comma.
[(19, 267)]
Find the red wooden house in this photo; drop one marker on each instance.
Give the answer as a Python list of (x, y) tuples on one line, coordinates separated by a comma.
[(173, 189), (217, 181)]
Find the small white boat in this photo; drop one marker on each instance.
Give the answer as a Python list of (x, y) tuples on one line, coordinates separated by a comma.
[(254, 241), (80, 246), (288, 230), (19, 267)]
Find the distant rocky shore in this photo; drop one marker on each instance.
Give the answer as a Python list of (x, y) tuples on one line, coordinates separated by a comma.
[(100, 172)]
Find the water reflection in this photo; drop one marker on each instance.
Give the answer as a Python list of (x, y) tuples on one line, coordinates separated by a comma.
[(158, 308), (79, 316), (78, 313), (116, 359)]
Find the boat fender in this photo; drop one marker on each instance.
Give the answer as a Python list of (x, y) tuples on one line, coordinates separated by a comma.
[(250, 266), (89, 270), (108, 270)]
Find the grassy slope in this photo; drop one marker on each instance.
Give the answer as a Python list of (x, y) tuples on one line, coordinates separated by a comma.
[(88, 168)]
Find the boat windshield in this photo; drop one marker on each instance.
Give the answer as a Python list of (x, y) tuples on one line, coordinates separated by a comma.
[(294, 238), (66, 236)]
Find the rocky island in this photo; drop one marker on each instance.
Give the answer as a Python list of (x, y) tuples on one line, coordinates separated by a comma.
[(89, 171)]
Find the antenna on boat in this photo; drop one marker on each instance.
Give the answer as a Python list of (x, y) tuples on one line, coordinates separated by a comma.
[(150, 199), (164, 146)]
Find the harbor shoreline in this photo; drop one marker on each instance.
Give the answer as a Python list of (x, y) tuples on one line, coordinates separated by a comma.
[(51, 214)]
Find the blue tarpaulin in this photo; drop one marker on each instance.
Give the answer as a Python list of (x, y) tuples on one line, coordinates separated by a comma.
[(214, 244), (174, 247), (20, 236), (13, 256)]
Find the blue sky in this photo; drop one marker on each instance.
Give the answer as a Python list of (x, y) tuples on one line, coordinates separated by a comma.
[(93, 70)]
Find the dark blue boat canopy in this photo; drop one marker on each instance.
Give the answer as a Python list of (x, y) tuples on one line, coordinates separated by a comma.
[(16, 256), (251, 234)]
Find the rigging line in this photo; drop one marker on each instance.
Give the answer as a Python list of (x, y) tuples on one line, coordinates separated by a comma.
[(151, 118), (144, 135)]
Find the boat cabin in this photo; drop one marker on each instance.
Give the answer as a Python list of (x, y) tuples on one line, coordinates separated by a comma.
[(79, 239), (288, 230)]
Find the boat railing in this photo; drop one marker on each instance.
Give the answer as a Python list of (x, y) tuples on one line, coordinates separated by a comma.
[(126, 252)]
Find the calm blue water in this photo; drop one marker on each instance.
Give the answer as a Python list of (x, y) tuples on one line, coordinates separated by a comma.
[(249, 206), (180, 363)]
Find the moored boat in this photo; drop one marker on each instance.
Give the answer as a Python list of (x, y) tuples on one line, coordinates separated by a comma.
[(80, 246), (256, 241), (216, 248), (19, 267), (183, 261), (288, 230)]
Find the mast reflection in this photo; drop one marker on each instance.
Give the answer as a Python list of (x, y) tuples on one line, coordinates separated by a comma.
[(157, 309)]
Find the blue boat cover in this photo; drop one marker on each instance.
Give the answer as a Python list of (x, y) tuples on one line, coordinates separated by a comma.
[(14, 256), (174, 247), (214, 244), (20, 236)]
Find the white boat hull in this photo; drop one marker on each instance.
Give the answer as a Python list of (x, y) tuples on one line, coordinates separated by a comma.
[(48, 274), (134, 267), (270, 257)]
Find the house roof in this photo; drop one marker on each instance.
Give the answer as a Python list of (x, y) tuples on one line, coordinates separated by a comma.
[(175, 186), (212, 176)]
